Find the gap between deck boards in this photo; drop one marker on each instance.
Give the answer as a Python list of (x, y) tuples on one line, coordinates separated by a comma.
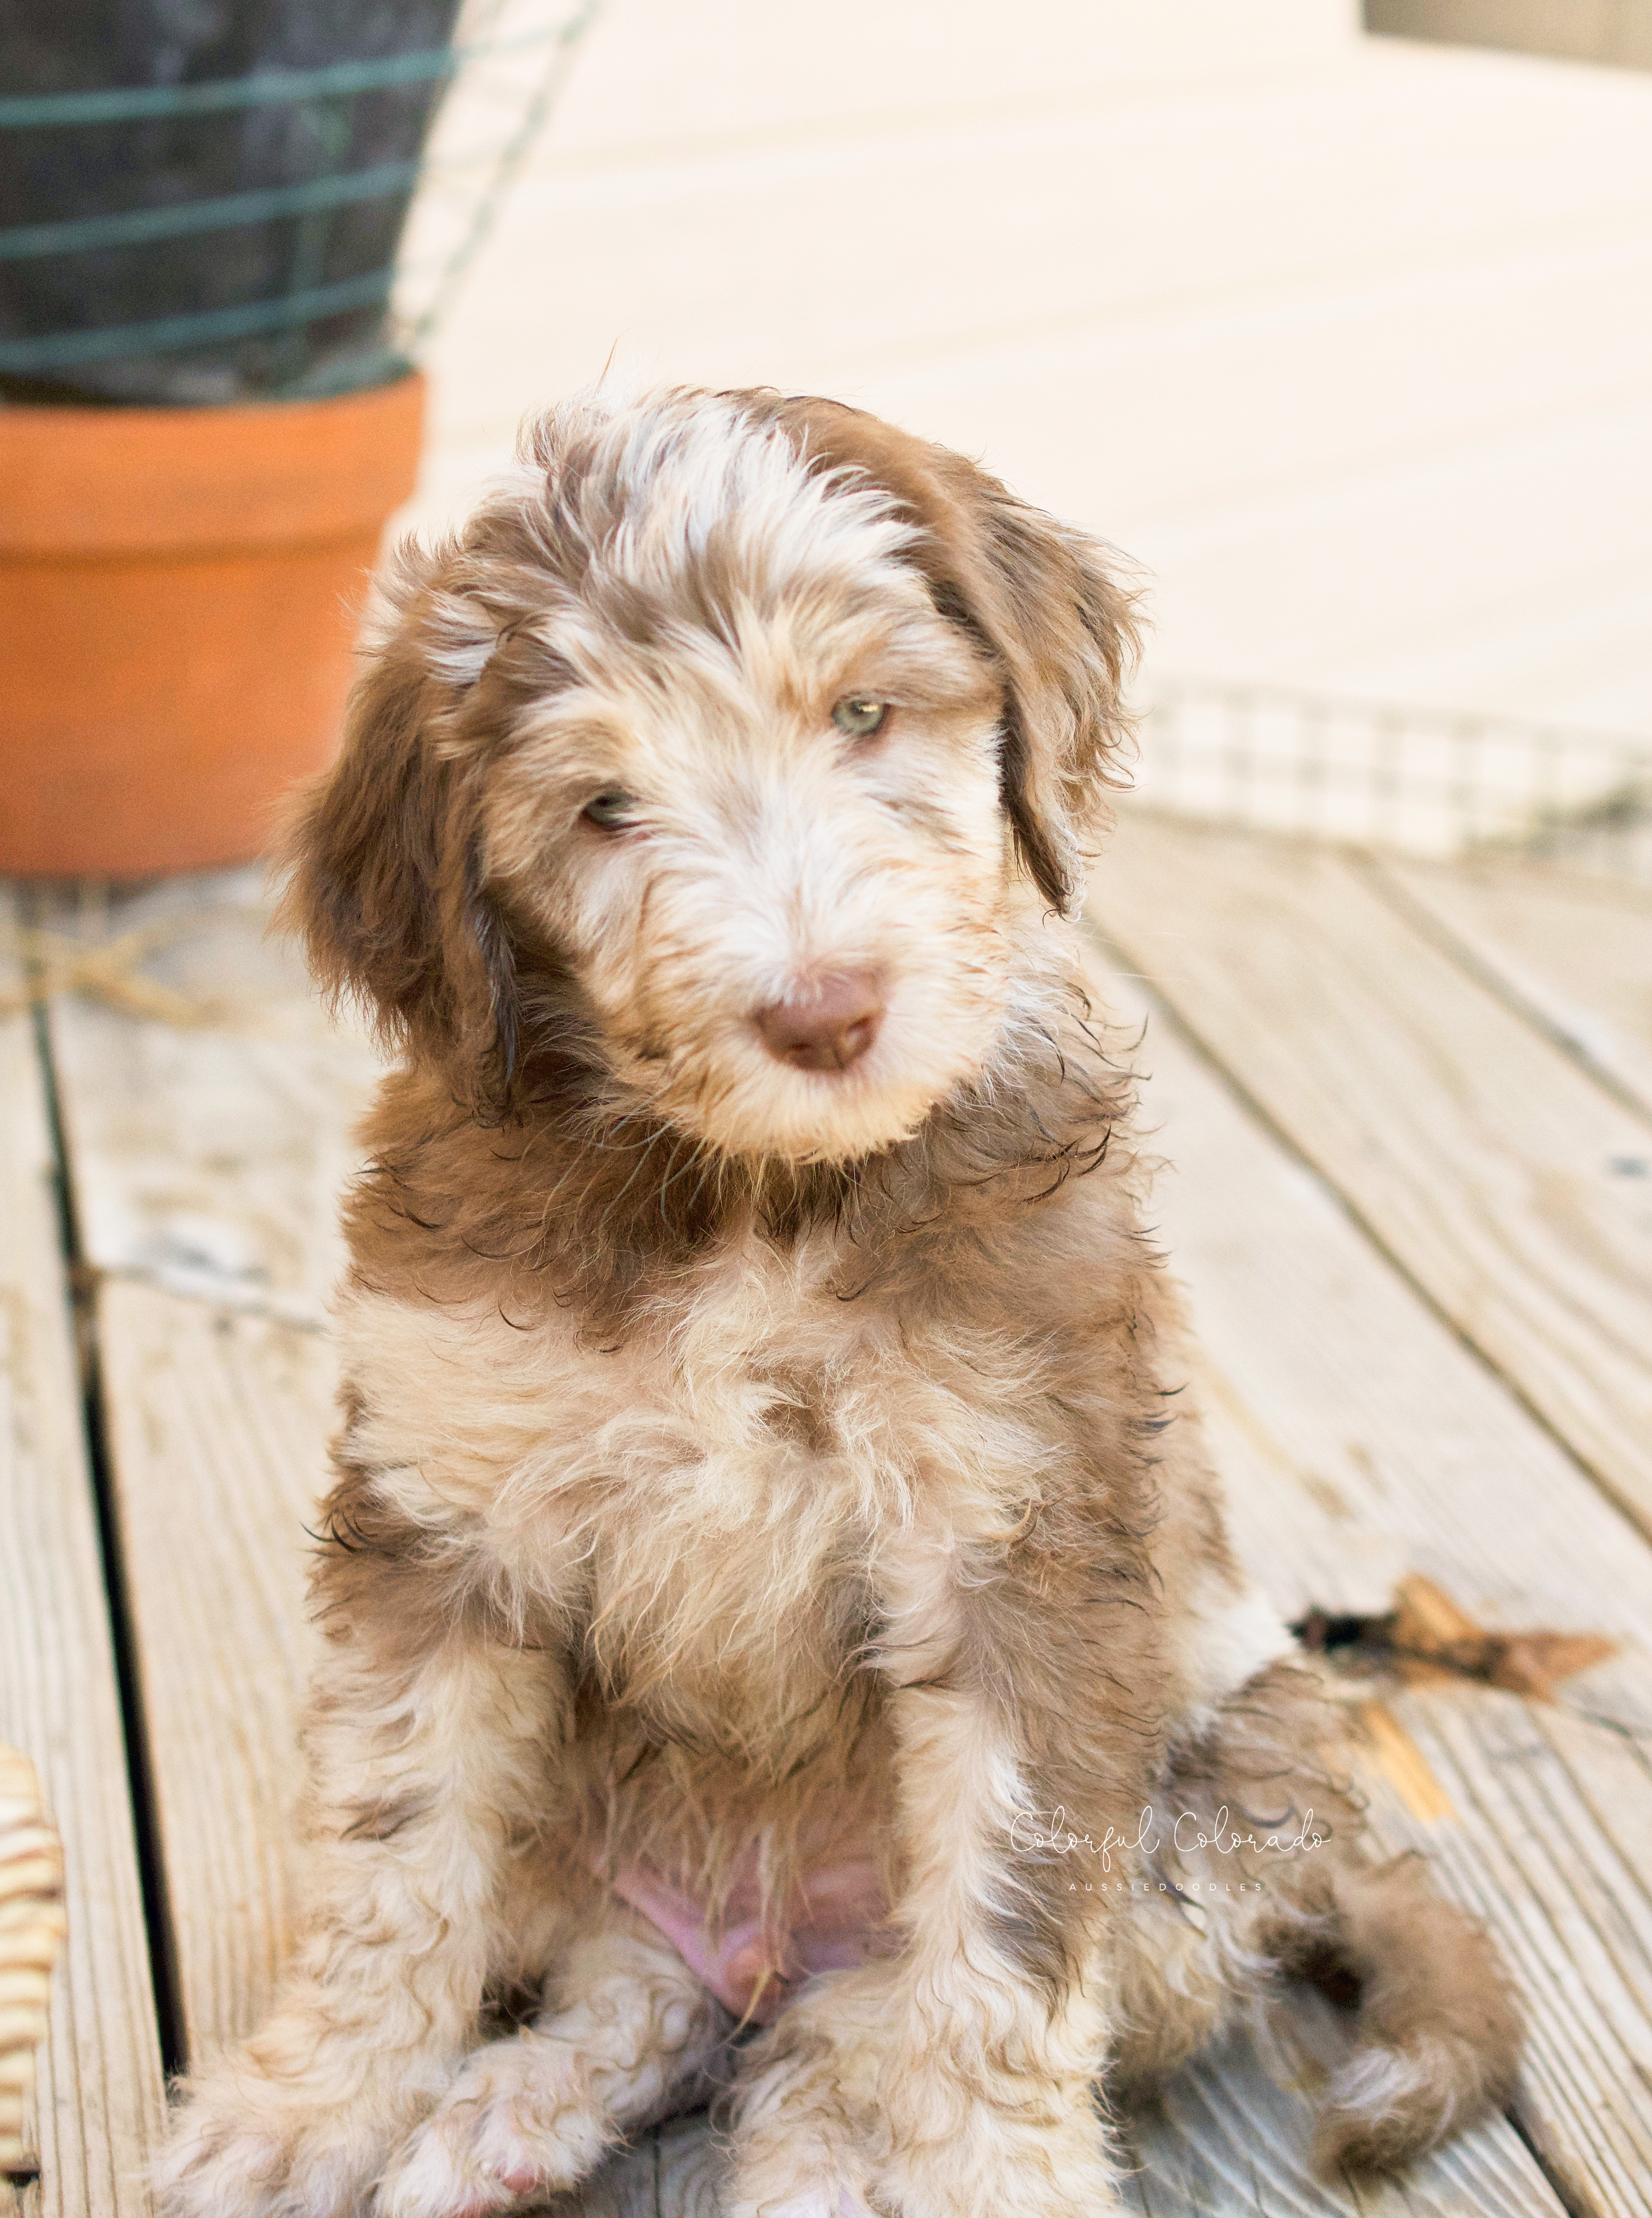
[(82, 1331)]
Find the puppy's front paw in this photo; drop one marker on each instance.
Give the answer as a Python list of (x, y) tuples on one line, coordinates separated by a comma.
[(521, 2120), (222, 2156), (852, 2105), (789, 2168), (779, 2175), (245, 2144), (299, 2121), (1047, 2159)]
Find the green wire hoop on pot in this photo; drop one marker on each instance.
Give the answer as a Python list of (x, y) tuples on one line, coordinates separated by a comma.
[(306, 298)]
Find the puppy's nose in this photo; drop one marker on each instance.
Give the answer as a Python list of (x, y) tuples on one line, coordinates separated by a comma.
[(825, 1025)]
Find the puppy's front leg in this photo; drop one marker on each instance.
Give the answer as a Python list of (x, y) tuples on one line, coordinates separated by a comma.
[(421, 1766), (957, 2079)]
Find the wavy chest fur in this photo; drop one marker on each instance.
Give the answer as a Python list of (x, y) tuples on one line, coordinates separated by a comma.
[(702, 1510)]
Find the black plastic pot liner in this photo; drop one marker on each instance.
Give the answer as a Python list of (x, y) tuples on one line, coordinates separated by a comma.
[(316, 278)]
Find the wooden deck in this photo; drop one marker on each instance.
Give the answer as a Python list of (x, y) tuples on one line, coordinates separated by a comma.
[(1409, 1111)]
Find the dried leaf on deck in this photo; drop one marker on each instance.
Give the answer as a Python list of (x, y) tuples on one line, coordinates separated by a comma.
[(1428, 1637)]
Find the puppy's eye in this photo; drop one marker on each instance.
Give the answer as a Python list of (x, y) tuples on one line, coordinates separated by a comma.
[(858, 716), (610, 810)]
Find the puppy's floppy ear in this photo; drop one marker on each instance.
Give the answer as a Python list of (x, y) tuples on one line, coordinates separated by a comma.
[(1038, 600), (385, 883)]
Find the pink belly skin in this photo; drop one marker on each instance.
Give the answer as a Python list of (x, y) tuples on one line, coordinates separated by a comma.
[(837, 1917)]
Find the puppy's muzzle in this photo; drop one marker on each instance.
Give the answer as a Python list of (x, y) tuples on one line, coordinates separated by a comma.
[(826, 1024)]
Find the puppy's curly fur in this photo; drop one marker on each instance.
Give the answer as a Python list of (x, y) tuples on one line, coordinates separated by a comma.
[(754, 1460)]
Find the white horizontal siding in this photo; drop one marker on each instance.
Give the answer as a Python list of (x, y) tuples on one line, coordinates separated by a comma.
[(1349, 342)]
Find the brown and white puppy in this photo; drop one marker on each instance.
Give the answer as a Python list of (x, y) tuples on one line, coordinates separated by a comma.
[(770, 1544)]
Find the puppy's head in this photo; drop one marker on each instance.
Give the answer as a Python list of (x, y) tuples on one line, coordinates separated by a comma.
[(720, 766)]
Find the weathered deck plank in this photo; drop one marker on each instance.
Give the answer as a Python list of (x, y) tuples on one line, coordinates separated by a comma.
[(1333, 1454), (98, 2101), (1537, 1842), (218, 1421), (1361, 1441), (208, 1143), (209, 1140), (1476, 1153), (1574, 952)]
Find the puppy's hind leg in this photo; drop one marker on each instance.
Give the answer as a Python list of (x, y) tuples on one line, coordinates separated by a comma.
[(631, 2036), (1437, 2036), (1262, 1871)]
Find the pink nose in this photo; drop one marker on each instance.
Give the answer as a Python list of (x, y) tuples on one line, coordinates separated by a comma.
[(827, 1026)]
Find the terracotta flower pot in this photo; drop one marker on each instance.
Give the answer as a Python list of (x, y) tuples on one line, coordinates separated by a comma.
[(179, 591)]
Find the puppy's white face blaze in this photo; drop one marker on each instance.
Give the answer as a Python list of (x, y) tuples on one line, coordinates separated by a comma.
[(749, 855), (764, 857)]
